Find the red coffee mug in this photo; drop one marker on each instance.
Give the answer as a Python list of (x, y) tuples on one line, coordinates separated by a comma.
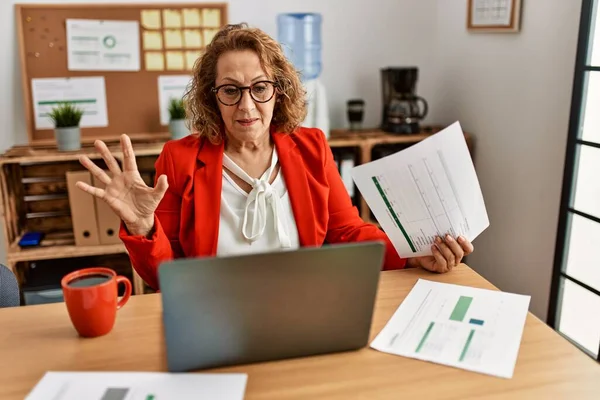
[(91, 298)]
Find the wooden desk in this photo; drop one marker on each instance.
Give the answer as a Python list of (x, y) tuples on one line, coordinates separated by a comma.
[(36, 339)]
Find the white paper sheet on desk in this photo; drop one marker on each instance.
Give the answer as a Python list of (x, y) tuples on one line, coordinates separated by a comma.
[(138, 386), (474, 329), (426, 190)]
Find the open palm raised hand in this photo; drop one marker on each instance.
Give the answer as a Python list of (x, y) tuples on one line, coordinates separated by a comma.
[(125, 192)]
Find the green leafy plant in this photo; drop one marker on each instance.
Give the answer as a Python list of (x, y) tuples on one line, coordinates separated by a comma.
[(66, 115), (177, 108)]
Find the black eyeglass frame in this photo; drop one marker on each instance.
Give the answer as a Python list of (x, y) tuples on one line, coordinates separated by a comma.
[(241, 90)]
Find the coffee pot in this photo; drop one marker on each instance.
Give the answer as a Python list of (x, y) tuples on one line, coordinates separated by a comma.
[(403, 109)]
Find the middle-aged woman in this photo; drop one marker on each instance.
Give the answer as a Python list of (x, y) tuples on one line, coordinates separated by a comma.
[(249, 179)]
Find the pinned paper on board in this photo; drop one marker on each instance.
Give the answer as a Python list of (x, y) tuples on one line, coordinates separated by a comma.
[(192, 38), (190, 59), (172, 18), (209, 34), (154, 61), (152, 40), (191, 18), (175, 60), (173, 39), (151, 19), (211, 17)]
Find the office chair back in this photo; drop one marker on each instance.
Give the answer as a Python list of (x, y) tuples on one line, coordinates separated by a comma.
[(9, 288)]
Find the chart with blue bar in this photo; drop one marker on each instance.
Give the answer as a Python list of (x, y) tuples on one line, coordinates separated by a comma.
[(474, 329)]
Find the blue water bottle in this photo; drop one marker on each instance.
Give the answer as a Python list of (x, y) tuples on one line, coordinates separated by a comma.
[(300, 36)]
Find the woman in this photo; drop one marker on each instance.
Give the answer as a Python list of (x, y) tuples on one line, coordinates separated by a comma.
[(249, 179)]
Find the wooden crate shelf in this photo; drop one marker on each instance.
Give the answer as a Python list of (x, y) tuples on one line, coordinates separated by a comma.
[(58, 246)]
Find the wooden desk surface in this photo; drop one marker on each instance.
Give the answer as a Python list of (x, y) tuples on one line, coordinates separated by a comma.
[(36, 339)]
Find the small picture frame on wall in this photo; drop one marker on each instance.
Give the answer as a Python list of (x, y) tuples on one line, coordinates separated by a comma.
[(493, 15)]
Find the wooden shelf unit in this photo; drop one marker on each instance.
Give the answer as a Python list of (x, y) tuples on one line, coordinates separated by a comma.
[(34, 197), (34, 176)]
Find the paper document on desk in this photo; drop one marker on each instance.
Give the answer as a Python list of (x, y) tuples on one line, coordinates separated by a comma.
[(138, 386), (424, 191), (474, 329)]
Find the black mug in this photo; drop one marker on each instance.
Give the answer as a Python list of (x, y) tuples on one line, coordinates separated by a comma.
[(356, 111)]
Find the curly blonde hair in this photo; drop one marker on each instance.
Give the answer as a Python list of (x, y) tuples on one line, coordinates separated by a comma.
[(201, 102)]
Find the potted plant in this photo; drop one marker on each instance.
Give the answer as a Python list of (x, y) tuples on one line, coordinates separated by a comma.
[(177, 121), (66, 119)]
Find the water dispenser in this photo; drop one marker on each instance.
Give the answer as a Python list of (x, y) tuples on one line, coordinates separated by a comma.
[(300, 37)]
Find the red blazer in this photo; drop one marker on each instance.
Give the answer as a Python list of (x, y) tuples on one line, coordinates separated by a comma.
[(187, 219)]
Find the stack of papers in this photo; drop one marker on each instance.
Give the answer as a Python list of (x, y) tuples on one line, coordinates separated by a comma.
[(474, 329), (138, 386)]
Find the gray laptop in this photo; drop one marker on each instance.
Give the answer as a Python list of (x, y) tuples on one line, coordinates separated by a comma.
[(221, 311)]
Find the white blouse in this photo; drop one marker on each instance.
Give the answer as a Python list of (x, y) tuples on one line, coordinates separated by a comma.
[(259, 221)]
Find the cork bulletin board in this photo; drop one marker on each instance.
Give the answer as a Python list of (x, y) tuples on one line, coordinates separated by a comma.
[(171, 37)]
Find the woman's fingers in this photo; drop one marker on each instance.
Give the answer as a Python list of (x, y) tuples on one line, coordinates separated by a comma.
[(107, 156), (94, 169), (94, 191), (456, 249), (161, 187), (129, 163), (446, 253), (440, 260), (466, 245)]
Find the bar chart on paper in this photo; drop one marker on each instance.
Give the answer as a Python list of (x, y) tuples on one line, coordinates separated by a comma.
[(475, 329), (427, 190), (437, 210)]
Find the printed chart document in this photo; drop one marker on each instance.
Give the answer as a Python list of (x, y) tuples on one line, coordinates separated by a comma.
[(98, 45), (89, 94), (474, 329), (170, 87), (138, 386), (429, 189)]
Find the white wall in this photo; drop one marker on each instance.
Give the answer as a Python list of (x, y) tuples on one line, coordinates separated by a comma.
[(513, 92)]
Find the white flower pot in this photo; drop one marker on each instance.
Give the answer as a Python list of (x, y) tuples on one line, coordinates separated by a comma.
[(178, 128), (68, 139)]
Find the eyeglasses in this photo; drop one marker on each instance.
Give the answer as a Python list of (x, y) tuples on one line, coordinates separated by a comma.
[(230, 95)]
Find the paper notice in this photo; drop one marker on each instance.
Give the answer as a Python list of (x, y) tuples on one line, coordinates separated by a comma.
[(170, 87), (98, 45), (211, 17), (152, 40), (155, 61), (88, 94), (173, 39), (151, 19), (192, 38), (172, 18), (175, 61), (191, 18)]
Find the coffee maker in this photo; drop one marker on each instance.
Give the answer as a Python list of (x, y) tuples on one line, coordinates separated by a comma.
[(402, 108)]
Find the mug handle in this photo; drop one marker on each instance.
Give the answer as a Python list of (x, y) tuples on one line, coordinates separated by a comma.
[(125, 281)]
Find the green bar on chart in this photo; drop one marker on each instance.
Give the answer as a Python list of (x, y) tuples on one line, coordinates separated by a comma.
[(422, 342), (393, 213), (460, 309), (464, 352)]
